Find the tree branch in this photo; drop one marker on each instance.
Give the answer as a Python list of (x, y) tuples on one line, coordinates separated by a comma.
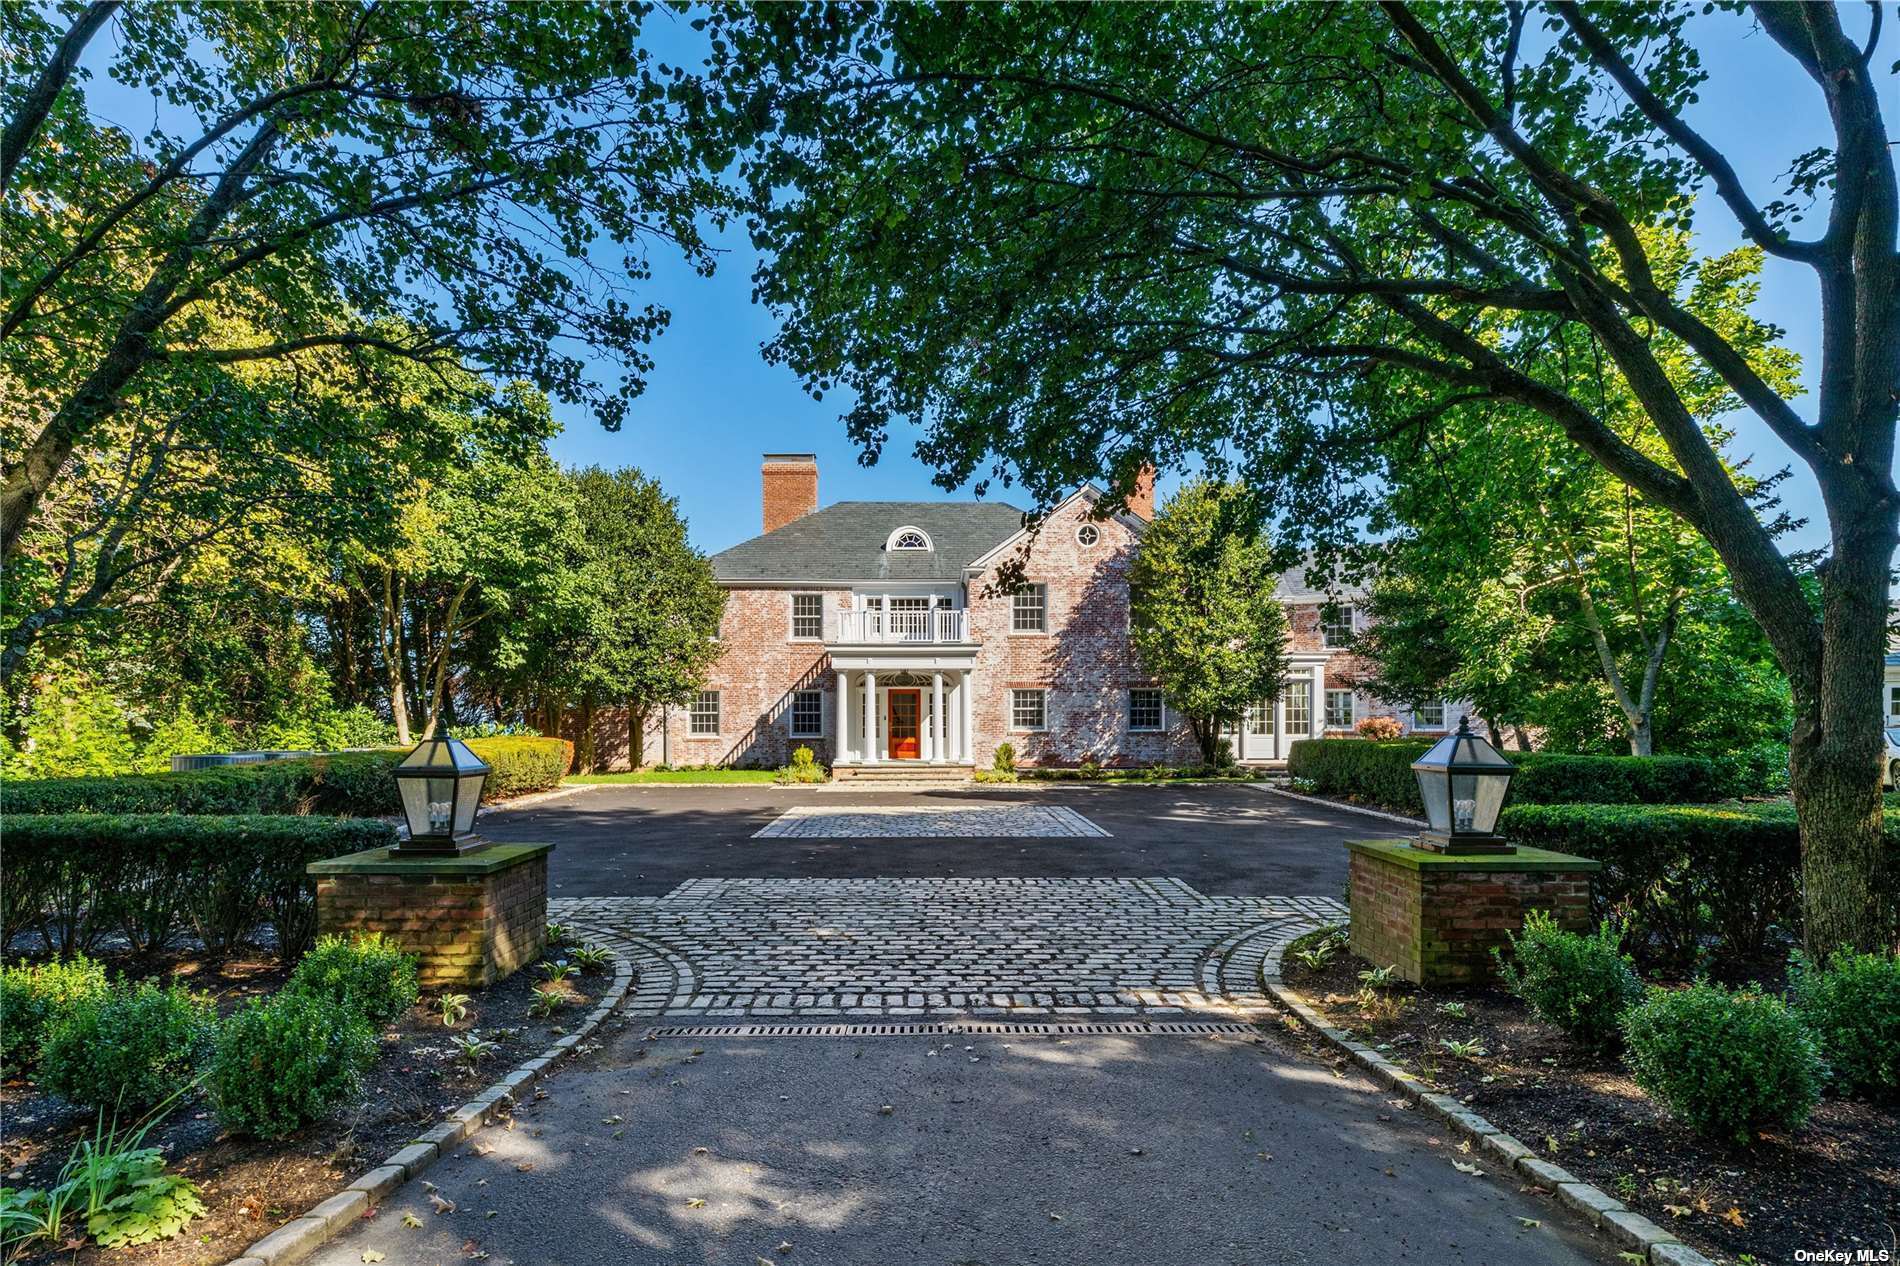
[(1712, 161), (25, 124)]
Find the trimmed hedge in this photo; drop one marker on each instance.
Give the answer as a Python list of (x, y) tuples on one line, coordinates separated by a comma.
[(1683, 874), (77, 877), (347, 784), (1381, 772), (133, 1046), (1378, 771)]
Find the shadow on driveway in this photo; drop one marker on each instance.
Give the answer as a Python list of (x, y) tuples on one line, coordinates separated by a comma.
[(1097, 1151)]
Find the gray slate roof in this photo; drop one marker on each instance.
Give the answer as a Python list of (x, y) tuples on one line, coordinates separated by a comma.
[(845, 541)]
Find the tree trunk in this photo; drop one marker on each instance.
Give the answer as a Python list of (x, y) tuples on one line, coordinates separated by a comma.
[(389, 630), (637, 713), (1837, 747), (1523, 738), (584, 739)]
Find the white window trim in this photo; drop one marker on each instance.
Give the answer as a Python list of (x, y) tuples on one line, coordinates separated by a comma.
[(890, 542), (1146, 729), (1088, 527), (791, 716), (1044, 630), (719, 716), (1443, 722), (1352, 625), (1010, 703), (1352, 710), (791, 617)]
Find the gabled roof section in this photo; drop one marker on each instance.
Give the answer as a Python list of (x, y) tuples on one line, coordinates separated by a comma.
[(846, 541), (1087, 492)]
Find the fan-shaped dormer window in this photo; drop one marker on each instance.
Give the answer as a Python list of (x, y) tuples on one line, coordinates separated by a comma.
[(908, 538)]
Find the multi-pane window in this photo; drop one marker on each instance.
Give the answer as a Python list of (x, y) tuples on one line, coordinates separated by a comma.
[(911, 539), (703, 713), (1339, 709), (1029, 609), (1893, 705), (1335, 625), (808, 714), (808, 615), (1296, 700), (1144, 709), (1429, 716), (1028, 709), (1259, 717)]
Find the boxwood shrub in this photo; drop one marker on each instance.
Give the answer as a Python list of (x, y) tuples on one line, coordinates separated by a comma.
[(131, 1047), (351, 784), (79, 877), (1579, 984), (35, 998), (1684, 876), (1725, 1064), (1851, 1003), (367, 974), (1381, 773), (287, 1060)]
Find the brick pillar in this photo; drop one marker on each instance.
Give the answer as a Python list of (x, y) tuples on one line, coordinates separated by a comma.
[(471, 919), (1437, 916)]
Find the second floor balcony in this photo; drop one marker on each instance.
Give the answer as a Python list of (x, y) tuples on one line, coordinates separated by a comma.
[(877, 628)]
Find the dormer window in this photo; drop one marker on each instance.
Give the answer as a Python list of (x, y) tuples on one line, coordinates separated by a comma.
[(908, 538)]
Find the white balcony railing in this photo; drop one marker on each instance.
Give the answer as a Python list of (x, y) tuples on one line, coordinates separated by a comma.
[(858, 627)]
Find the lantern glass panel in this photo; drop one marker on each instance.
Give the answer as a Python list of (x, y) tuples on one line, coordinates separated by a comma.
[(1432, 786), (1476, 800), (469, 799)]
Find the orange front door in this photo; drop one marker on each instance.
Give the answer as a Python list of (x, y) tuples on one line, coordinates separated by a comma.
[(904, 707)]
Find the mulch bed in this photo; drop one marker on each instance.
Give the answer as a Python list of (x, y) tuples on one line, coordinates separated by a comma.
[(251, 1187), (1834, 1183)]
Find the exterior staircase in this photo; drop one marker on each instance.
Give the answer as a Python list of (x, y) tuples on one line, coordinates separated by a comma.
[(907, 772)]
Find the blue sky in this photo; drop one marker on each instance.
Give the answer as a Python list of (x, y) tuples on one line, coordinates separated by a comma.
[(712, 404)]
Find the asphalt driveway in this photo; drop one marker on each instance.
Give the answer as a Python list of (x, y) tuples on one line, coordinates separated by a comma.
[(1224, 840), (1091, 1151)]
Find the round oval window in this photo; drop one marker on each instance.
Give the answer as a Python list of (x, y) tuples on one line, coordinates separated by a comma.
[(1087, 534)]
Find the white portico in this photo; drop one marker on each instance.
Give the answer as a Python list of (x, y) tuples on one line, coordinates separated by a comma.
[(904, 704)]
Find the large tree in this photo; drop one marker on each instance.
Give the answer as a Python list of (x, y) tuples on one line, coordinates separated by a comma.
[(652, 607), (439, 183), (1067, 239), (1204, 608), (1548, 575)]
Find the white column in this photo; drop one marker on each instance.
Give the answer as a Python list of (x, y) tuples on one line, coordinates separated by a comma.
[(939, 731), (1279, 725), (870, 718), (966, 692), (841, 742), (1316, 715)]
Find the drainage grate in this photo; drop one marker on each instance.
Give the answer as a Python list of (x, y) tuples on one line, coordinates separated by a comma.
[(951, 1028)]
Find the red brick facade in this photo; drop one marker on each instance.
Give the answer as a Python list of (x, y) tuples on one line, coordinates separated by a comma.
[(1082, 658)]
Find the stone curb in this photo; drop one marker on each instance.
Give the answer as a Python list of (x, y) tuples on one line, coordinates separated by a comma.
[(301, 1236), (1339, 804), (534, 798), (1628, 1230)]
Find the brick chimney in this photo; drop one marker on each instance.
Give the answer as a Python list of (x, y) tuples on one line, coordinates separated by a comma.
[(1141, 502), (790, 482)]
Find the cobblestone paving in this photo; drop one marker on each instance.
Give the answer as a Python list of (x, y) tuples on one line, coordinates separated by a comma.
[(1017, 821), (1030, 948)]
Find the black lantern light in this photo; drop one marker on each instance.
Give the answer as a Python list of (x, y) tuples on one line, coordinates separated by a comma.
[(1462, 780), (441, 784)]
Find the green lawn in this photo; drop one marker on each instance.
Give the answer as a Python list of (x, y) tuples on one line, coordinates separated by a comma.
[(681, 775)]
